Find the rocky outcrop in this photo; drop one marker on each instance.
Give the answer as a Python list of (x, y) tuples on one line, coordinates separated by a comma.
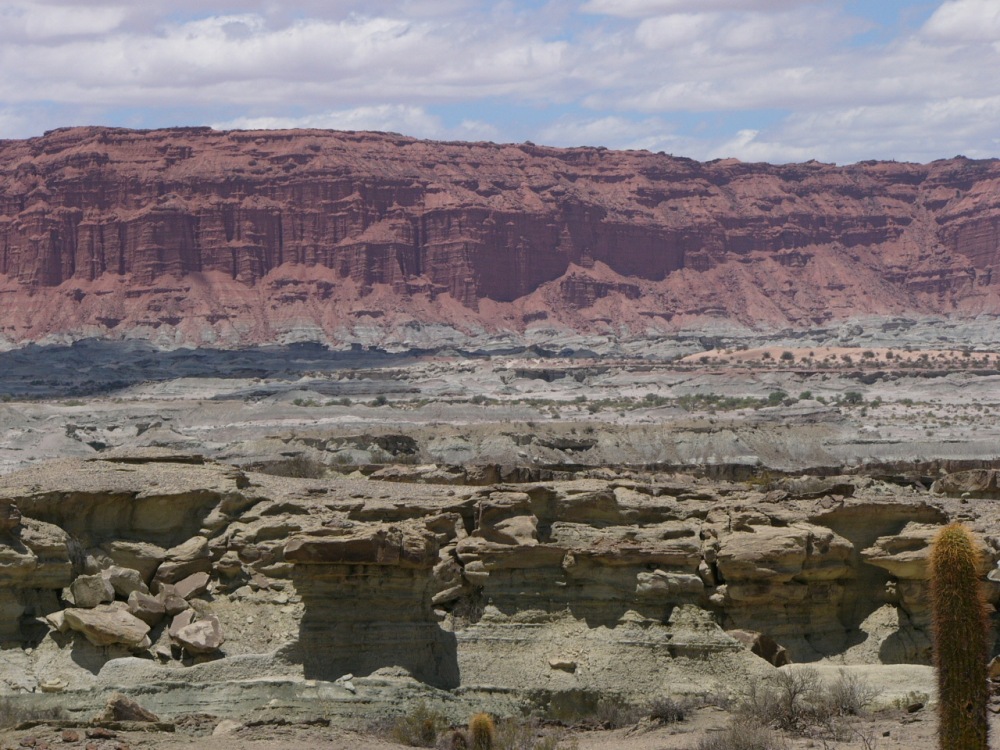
[(626, 585), (193, 235)]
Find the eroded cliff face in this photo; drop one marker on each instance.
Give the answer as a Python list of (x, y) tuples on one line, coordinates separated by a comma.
[(195, 583), (243, 237)]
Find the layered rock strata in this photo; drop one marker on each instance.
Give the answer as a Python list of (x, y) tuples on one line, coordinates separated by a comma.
[(192, 235), (519, 594)]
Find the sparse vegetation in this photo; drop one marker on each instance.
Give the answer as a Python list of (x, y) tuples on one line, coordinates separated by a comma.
[(797, 700), (743, 735), (420, 727)]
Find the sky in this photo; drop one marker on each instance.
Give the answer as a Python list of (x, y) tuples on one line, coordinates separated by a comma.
[(759, 80)]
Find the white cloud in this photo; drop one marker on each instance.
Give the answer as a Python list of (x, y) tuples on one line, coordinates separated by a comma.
[(387, 117), (965, 21), (31, 21), (643, 8), (406, 119), (652, 134), (613, 72)]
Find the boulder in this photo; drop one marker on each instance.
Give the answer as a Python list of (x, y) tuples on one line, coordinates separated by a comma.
[(201, 637), (180, 621), (195, 584), (173, 603), (106, 625), (193, 556), (141, 556), (89, 591), (125, 580), (147, 608), (122, 708)]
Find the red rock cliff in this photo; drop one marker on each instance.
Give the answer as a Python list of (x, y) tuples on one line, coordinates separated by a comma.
[(196, 235)]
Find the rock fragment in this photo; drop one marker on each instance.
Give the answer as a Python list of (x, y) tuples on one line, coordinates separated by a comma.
[(106, 625), (89, 591)]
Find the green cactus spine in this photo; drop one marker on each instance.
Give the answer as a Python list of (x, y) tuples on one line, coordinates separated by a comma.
[(961, 648), (482, 732)]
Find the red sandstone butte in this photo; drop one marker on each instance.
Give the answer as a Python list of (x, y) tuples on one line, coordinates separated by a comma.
[(189, 235)]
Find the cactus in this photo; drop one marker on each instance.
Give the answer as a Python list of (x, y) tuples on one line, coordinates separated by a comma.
[(482, 733), (961, 650)]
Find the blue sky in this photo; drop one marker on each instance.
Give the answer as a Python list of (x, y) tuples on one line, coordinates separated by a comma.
[(759, 80)]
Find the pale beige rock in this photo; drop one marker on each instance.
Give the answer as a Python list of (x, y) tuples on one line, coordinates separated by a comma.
[(180, 621), (53, 685), (146, 607), (141, 556), (89, 591), (106, 625), (778, 554), (229, 564), (122, 708), (193, 556), (904, 555), (226, 727), (666, 585), (173, 603), (57, 620), (201, 637), (193, 585), (125, 580)]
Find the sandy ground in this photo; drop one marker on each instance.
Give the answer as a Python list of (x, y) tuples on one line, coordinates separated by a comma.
[(890, 730)]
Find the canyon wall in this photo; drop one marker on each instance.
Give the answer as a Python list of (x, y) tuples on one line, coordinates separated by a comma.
[(193, 235), (179, 578)]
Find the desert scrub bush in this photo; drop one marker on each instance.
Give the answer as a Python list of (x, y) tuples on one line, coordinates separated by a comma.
[(668, 711), (615, 713), (785, 700), (516, 734), (743, 735), (961, 645), (849, 695), (799, 702), (12, 713), (482, 732), (418, 728)]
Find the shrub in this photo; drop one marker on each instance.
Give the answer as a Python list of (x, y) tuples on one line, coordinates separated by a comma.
[(743, 735), (797, 701), (785, 700), (850, 694), (419, 728), (513, 734), (776, 397), (614, 713), (668, 711)]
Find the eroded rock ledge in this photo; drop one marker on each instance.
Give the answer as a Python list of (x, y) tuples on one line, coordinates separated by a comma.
[(194, 583)]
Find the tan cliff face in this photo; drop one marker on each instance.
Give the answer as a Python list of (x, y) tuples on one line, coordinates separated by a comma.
[(168, 571), (240, 237)]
